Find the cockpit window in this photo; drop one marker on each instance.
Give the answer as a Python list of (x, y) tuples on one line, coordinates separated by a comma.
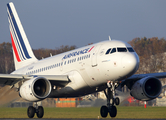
[(130, 49), (122, 49), (108, 51), (113, 50)]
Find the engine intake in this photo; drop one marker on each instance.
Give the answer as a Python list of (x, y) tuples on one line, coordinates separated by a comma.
[(35, 89), (147, 88), (41, 88)]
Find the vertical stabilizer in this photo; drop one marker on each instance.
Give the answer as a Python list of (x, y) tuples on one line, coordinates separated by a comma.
[(22, 51)]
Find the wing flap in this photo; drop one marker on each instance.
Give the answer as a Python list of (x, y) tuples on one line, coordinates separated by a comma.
[(57, 80), (63, 78), (10, 79)]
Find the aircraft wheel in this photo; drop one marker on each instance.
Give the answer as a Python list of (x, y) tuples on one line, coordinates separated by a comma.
[(40, 112), (112, 111), (117, 101), (104, 111), (31, 111)]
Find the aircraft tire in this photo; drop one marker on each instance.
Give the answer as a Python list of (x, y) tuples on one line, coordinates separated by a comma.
[(104, 111), (112, 111), (31, 111), (117, 101), (40, 112)]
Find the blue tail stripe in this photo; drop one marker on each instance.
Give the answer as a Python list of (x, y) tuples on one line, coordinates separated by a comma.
[(14, 33), (17, 44), (19, 34)]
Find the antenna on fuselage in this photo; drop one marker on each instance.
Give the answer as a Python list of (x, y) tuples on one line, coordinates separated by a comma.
[(109, 38), (50, 54)]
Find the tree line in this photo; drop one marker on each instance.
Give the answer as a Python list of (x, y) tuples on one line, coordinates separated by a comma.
[(151, 52)]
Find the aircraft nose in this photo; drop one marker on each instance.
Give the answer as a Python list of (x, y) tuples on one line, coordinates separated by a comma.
[(130, 63)]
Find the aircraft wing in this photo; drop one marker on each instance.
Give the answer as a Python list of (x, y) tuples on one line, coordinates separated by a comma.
[(58, 80), (136, 77), (11, 79), (139, 76)]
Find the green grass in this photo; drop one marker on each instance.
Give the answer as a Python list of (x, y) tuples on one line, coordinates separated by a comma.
[(92, 112)]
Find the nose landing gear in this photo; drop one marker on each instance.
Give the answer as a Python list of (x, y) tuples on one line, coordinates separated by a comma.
[(111, 100)]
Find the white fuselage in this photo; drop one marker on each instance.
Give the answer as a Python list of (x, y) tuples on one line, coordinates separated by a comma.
[(88, 67)]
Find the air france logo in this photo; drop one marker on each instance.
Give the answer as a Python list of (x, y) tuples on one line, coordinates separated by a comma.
[(77, 53), (19, 47)]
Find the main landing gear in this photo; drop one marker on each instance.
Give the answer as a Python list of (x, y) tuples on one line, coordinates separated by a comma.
[(111, 100), (37, 109)]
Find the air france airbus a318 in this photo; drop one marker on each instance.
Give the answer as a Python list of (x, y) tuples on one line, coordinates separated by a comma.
[(98, 67)]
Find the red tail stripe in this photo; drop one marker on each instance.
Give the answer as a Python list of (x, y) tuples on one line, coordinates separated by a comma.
[(14, 48), (91, 48)]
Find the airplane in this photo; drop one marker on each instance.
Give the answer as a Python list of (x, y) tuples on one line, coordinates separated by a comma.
[(102, 66)]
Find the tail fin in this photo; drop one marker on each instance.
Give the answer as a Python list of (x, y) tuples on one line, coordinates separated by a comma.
[(22, 50)]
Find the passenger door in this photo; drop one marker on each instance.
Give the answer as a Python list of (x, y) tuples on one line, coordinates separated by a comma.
[(94, 55)]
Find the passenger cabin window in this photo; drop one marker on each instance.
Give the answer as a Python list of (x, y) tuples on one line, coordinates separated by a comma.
[(130, 49), (122, 49), (113, 50)]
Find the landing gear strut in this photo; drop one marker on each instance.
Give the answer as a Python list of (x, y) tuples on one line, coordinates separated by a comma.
[(111, 100), (38, 109)]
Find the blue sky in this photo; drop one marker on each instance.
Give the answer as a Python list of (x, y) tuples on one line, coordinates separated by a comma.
[(52, 23)]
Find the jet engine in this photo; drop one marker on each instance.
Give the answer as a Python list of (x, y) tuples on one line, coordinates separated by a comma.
[(147, 88), (35, 89)]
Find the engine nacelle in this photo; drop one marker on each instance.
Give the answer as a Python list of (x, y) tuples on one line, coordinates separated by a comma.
[(147, 88), (35, 89)]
